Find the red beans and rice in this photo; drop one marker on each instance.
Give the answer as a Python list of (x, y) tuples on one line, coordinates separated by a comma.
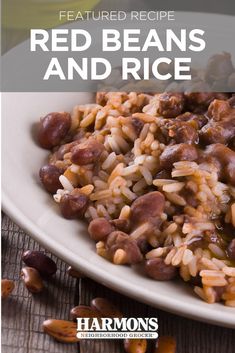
[(154, 179)]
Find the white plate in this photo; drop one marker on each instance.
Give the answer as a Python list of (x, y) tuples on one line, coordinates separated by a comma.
[(33, 209)]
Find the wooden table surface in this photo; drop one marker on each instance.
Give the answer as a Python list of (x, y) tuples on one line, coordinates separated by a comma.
[(23, 313)]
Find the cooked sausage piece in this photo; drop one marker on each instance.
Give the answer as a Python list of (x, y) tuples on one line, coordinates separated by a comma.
[(53, 128), (120, 240), (176, 153), (186, 134), (221, 126), (221, 132), (196, 120), (171, 104), (225, 157), (198, 102), (183, 132), (147, 207), (184, 128), (87, 152), (220, 110)]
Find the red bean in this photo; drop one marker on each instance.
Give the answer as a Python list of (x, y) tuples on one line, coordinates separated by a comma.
[(99, 229), (147, 207), (176, 153), (84, 311), (74, 273), (49, 175), (157, 269), (53, 128), (87, 152), (196, 281), (7, 286), (121, 224), (40, 261), (224, 159), (143, 244), (231, 250), (105, 308), (32, 279), (65, 149), (73, 205), (120, 240)]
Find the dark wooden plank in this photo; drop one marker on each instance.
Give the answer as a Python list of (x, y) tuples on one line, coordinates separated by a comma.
[(23, 313)]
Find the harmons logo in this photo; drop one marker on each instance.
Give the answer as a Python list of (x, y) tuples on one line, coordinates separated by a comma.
[(117, 328)]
